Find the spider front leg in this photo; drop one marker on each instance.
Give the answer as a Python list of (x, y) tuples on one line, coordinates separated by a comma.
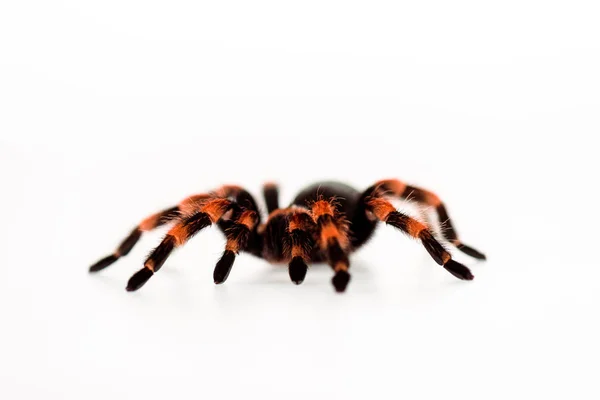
[(198, 217), (238, 232), (271, 195), (386, 212), (299, 228), (239, 229), (148, 224), (333, 240)]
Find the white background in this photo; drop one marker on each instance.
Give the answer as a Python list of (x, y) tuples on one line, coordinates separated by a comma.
[(112, 110)]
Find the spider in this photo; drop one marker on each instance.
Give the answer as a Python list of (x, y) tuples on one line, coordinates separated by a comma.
[(325, 223)]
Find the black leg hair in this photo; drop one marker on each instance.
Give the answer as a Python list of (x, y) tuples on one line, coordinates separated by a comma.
[(208, 213), (386, 212), (338, 259), (238, 234), (332, 230), (271, 195), (422, 196), (253, 241), (299, 243), (152, 222)]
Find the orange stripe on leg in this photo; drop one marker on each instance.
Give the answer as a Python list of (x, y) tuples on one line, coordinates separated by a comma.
[(394, 185), (340, 266), (299, 224), (432, 198), (322, 207), (300, 219), (193, 203), (381, 208), (150, 265), (300, 250), (149, 223), (232, 245), (329, 231), (179, 232), (215, 208), (248, 218), (414, 227)]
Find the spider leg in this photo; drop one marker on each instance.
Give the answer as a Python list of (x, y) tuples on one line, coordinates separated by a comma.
[(422, 196), (385, 211), (299, 228), (271, 195), (238, 194), (196, 218), (333, 240), (237, 232), (148, 224), (152, 222), (251, 241)]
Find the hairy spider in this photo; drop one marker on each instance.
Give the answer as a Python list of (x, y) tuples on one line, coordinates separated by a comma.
[(325, 222)]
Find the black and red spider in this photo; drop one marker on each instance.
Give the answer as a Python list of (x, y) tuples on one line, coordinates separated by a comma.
[(325, 223)]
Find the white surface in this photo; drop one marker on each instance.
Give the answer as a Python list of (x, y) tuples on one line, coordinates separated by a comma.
[(112, 111)]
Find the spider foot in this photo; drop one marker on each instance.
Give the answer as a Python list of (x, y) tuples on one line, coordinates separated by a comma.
[(468, 250), (458, 270), (340, 281), (139, 279), (297, 270), (223, 267), (105, 262)]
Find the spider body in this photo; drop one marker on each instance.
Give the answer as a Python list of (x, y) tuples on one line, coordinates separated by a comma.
[(348, 201), (324, 223)]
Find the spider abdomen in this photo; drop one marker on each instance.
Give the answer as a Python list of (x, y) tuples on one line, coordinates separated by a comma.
[(345, 195)]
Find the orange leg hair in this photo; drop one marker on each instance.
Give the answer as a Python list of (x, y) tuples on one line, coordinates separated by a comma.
[(402, 190), (386, 212)]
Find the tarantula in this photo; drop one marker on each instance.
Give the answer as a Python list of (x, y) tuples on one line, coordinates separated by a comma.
[(325, 223)]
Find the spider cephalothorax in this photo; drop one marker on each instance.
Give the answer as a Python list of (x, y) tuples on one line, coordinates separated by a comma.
[(325, 223)]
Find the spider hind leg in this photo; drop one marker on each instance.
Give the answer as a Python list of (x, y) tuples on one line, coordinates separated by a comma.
[(425, 197), (386, 212), (271, 195)]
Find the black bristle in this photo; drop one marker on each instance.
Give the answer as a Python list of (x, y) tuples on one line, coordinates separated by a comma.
[(223, 267), (297, 270), (447, 228), (130, 241), (105, 262), (139, 279), (458, 270), (471, 251), (160, 254), (433, 247), (340, 281)]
